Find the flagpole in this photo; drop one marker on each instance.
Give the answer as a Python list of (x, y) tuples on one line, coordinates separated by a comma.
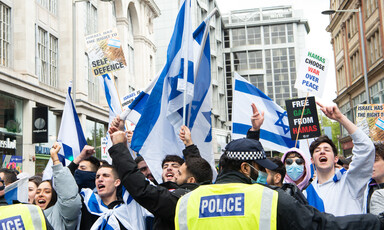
[(301, 118), (203, 41), (118, 95), (187, 32)]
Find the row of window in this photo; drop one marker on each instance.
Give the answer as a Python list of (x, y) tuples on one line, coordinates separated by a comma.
[(274, 34)]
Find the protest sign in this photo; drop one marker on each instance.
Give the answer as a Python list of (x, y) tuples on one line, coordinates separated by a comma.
[(104, 153), (312, 73), (105, 52), (370, 118), (309, 123), (13, 162), (127, 99)]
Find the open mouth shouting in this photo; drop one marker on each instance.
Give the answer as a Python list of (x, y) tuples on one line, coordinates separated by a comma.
[(169, 176), (323, 159)]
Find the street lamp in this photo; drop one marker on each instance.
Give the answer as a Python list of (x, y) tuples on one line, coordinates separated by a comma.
[(74, 45), (329, 12)]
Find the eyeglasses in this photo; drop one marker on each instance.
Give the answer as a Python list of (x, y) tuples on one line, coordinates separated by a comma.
[(290, 161)]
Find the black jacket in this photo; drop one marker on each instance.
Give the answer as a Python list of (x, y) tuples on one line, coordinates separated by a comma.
[(160, 200), (291, 214)]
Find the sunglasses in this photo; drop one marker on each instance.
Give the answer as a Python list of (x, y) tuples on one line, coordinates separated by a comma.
[(290, 161)]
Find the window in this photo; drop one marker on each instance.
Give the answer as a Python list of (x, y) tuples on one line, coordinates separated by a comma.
[(226, 39), (50, 5), (377, 92), (94, 131), (5, 20), (278, 34), (255, 59), (238, 37), (352, 25), (374, 47), (91, 20), (254, 35), (290, 33), (340, 76), (370, 7), (346, 110), (338, 42), (267, 38), (355, 64), (360, 99), (93, 85), (240, 61), (46, 57)]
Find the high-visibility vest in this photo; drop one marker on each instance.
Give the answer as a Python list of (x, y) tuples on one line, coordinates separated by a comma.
[(21, 216), (227, 206)]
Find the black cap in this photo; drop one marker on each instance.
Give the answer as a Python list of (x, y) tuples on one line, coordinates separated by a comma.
[(249, 150)]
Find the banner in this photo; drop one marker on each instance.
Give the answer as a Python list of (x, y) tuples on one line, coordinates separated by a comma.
[(312, 73), (40, 125), (370, 118), (105, 52), (309, 123)]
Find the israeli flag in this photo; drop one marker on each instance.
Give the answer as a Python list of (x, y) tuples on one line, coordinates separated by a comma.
[(112, 97), (274, 133), (71, 136), (160, 107), (18, 190)]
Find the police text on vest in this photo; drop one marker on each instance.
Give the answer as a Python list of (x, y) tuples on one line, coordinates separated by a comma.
[(12, 223), (222, 205)]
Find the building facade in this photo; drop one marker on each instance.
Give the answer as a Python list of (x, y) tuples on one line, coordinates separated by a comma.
[(349, 62), (36, 66), (262, 45), (164, 26)]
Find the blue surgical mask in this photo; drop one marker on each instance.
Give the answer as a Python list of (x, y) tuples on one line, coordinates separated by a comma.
[(261, 178), (295, 171)]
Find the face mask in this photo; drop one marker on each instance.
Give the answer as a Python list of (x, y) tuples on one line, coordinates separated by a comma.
[(295, 171), (261, 178), (85, 179)]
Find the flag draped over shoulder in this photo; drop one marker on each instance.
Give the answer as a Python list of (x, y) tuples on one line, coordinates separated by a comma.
[(18, 190), (71, 136), (158, 110), (274, 133)]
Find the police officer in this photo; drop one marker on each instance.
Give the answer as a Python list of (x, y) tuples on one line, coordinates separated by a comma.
[(20, 216), (235, 202)]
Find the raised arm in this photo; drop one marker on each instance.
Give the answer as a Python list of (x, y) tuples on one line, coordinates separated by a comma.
[(257, 120), (190, 150), (333, 112), (68, 199), (156, 199)]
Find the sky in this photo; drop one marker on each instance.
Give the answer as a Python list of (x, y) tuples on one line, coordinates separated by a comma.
[(317, 39)]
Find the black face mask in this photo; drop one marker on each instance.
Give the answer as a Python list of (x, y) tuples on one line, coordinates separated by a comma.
[(85, 179)]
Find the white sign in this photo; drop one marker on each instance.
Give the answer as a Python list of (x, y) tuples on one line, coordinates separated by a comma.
[(312, 74), (127, 100), (104, 155)]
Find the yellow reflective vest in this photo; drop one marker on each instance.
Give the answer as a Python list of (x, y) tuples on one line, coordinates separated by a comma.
[(22, 216), (227, 206)]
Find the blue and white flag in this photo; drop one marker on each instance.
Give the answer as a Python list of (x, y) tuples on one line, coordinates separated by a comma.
[(114, 105), (18, 190), (71, 136), (130, 214), (160, 107), (274, 133)]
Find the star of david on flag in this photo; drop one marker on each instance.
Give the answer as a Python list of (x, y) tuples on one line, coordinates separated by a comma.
[(274, 133)]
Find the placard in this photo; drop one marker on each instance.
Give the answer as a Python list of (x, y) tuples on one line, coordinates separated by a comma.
[(105, 52), (370, 118), (312, 73), (309, 124)]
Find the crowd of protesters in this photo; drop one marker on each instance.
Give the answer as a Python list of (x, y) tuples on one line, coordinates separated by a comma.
[(274, 193)]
